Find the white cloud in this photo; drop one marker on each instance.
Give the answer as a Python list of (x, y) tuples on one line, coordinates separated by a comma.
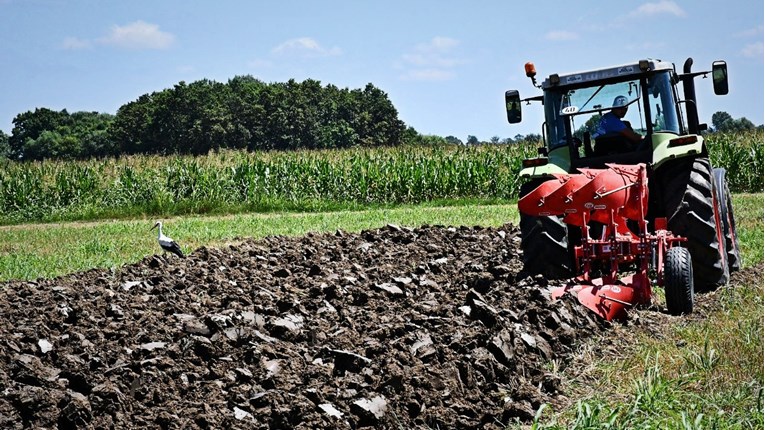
[(662, 7), (561, 36), (753, 50), (305, 47), (138, 35), (433, 60), (74, 43)]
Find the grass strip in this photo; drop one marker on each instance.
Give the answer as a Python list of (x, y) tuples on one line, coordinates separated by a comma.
[(32, 251)]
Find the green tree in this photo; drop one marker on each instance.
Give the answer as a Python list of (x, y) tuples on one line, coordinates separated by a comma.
[(721, 120), (28, 126), (248, 112), (5, 148), (207, 115), (453, 140), (45, 133), (90, 130), (530, 138), (131, 130), (743, 124), (380, 125), (724, 122)]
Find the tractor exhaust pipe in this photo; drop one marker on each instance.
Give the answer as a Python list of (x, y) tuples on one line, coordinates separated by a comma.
[(689, 89)]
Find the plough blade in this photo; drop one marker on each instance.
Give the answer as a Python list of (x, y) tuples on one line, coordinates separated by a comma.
[(610, 302), (552, 197)]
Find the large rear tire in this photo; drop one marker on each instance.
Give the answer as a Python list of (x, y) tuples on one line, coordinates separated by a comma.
[(544, 241), (728, 220), (689, 202), (678, 281)]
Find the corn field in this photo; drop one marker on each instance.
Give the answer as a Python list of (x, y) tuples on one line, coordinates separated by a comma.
[(302, 180), (255, 181), (741, 154)]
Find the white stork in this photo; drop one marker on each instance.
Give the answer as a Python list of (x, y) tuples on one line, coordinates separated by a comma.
[(166, 243)]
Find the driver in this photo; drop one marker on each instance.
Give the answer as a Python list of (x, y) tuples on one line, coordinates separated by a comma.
[(611, 122)]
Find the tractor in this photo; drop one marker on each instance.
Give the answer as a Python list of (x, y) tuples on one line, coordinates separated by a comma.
[(594, 204)]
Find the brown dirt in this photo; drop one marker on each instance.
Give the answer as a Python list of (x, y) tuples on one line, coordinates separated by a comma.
[(431, 327)]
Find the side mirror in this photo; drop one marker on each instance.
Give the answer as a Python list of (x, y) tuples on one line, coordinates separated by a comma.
[(720, 77), (513, 105)]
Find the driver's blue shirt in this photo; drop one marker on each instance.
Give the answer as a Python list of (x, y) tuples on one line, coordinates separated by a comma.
[(609, 123)]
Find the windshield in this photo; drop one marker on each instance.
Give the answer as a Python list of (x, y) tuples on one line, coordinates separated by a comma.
[(583, 107), (592, 99)]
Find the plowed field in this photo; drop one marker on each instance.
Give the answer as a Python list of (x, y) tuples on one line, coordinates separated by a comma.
[(431, 327)]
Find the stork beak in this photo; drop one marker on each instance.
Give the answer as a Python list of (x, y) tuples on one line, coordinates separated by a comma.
[(155, 226)]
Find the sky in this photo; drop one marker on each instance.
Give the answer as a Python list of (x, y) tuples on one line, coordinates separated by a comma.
[(444, 64)]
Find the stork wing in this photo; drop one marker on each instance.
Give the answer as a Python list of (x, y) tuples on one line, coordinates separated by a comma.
[(171, 246)]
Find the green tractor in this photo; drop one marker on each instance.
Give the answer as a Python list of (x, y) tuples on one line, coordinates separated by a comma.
[(683, 186)]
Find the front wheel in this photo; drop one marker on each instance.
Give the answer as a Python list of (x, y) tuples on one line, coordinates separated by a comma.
[(678, 281)]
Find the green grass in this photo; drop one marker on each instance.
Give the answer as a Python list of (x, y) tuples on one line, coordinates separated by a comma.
[(697, 375), (31, 251), (748, 210)]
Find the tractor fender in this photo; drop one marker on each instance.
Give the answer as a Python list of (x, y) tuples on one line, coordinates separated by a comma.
[(728, 219), (669, 146), (558, 161), (548, 170)]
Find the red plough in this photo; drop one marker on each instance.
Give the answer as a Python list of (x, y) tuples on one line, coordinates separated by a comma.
[(611, 197)]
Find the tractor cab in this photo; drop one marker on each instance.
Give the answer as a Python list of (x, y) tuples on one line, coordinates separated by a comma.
[(575, 103)]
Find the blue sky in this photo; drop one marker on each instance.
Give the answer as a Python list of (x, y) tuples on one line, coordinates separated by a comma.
[(444, 64)]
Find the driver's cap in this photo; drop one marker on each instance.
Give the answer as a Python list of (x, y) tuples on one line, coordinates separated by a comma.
[(620, 101)]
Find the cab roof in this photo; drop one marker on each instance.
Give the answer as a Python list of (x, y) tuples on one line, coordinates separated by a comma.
[(619, 72)]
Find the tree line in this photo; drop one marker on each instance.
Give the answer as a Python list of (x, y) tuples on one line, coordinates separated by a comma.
[(244, 113)]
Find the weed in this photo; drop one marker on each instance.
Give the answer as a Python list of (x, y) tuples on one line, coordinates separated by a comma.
[(703, 361)]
